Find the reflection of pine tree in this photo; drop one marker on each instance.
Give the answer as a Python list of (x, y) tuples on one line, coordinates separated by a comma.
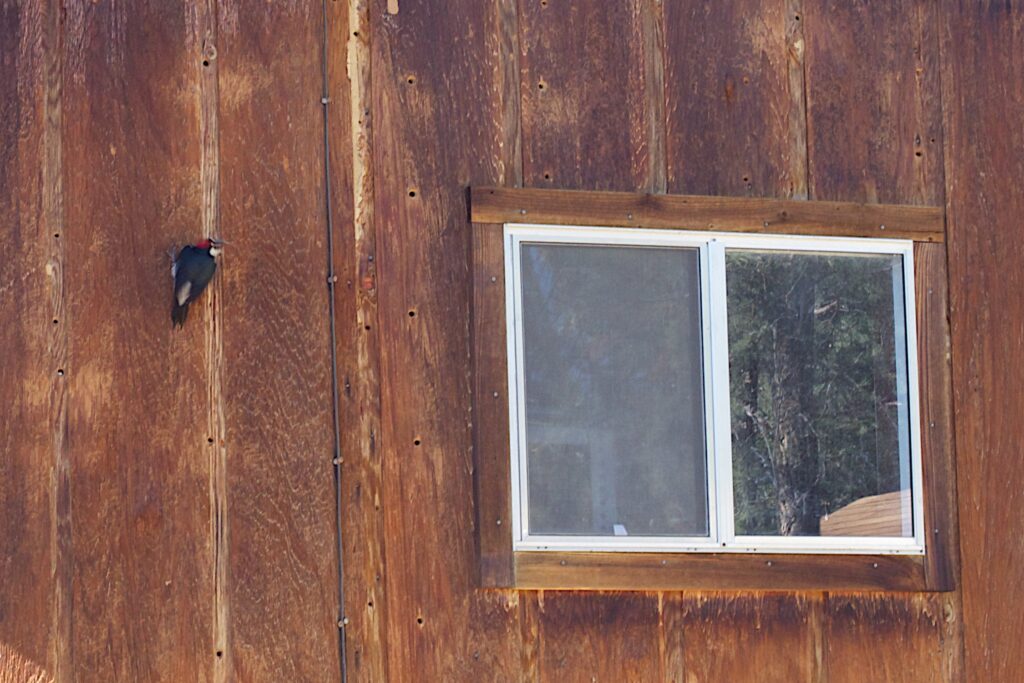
[(813, 380)]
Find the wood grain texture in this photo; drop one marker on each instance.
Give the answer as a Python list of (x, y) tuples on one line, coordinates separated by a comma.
[(587, 117), (281, 512), (32, 395), (984, 103), (876, 638), (890, 102), (937, 436), (607, 637), (491, 450), (874, 135), (440, 112), (735, 119), (722, 571), (753, 637), (362, 517), (693, 212), (137, 389)]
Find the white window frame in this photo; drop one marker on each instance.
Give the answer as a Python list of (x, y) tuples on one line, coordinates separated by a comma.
[(711, 247)]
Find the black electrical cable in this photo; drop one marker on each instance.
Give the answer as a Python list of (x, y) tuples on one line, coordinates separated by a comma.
[(335, 396)]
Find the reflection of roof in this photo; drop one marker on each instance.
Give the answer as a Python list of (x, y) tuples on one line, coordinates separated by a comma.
[(881, 515)]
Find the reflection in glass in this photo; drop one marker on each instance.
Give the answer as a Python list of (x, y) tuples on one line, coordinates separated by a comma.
[(614, 402), (818, 383)]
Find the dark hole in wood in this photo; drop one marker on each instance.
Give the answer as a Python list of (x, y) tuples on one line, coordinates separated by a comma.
[(411, 80), (540, 86), (367, 327), (355, 33), (917, 154), (416, 442), (220, 653), (56, 235), (797, 17), (370, 604), (412, 193), (206, 62), (209, 440), (412, 314), (54, 321), (419, 620), (60, 372), (547, 176)]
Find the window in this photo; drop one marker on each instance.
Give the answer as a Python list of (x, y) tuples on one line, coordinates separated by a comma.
[(675, 392)]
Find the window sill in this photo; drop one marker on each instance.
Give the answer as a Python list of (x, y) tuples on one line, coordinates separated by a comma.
[(714, 571)]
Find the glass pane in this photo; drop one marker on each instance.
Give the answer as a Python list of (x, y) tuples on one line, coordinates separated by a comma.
[(614, 402), (818, 382)]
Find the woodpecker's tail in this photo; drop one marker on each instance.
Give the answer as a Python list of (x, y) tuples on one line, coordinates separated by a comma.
[(179, 313)]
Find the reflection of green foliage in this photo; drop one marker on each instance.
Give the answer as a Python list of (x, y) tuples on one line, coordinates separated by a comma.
[(813, 383)]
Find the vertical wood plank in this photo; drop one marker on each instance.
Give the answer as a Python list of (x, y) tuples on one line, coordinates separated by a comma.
[(362, 519), (137, 389), (873, 101), (883, 638), (358, 353), (281, 512), (440, 112), (874, 135), (588, 114), (598, 637), (764, 637), (33, 395), (984, 117), (735, 118)]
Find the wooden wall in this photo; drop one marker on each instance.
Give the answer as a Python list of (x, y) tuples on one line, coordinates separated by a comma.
[(167, 499)]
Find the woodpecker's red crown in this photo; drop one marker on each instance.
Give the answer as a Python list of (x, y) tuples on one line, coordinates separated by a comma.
[(205, 244)]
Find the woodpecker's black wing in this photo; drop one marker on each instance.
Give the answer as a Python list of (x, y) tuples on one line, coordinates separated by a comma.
[(193, 270)]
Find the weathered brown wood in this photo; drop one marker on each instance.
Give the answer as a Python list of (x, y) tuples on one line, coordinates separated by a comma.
[(883, 638), (891, 100), (281, 511), (362, 518), (691, 212), (751, 637), (984, 103), (937, 440), (874, 136), (32, 395), (586, 114), (733, 76), (607, 637), (491, 454), (429, 61), (722, 571), (137, 389)]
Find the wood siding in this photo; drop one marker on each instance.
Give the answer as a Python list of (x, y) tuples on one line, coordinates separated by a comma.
[(167, 498)]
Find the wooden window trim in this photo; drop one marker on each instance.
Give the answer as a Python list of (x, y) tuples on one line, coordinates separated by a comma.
[(501, 566)]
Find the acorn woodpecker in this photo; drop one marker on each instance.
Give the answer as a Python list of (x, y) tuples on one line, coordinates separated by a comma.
[(192, 271)]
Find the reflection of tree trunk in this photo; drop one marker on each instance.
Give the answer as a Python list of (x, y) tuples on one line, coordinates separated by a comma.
[(795, 445), (886, 436)]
